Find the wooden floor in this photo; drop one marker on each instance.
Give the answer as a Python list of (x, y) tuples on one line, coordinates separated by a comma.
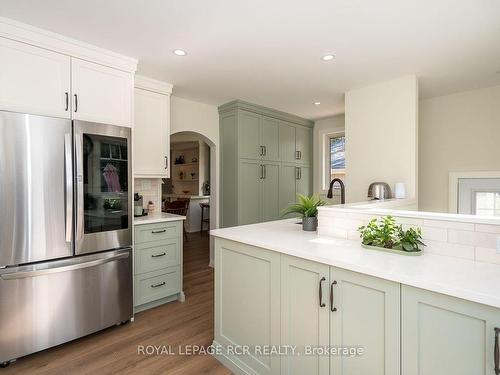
[(114, 350)]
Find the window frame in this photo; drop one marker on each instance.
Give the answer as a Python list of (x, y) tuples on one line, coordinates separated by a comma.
[(327, 158)]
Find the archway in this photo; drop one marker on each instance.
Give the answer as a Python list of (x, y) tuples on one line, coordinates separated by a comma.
[(213, 173)]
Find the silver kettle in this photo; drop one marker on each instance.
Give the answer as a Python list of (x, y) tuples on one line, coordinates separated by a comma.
[(379, 190)]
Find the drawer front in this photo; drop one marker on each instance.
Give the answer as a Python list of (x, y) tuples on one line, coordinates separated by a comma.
[(157, 232), (155, 285), (154, 256)]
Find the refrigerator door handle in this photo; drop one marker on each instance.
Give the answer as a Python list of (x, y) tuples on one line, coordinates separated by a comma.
[(68, 164), (79, 186), (70, 267)]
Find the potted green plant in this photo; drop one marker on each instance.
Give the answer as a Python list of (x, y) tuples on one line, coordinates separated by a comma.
[(386, 235), (307, 208)]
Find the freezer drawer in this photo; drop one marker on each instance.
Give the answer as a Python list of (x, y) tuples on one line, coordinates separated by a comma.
[(47, 304)]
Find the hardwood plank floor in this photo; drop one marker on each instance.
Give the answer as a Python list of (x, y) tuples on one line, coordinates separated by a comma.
[(114, 350)]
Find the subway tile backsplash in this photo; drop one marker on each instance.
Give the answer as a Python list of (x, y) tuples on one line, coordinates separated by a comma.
[(150, 189), (448, 238)]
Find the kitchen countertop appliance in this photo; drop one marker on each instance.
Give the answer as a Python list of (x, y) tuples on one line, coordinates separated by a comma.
[(65, 232), (379, 191)]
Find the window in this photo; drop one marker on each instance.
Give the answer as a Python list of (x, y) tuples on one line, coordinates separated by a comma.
[(337, 156), (487, 203)]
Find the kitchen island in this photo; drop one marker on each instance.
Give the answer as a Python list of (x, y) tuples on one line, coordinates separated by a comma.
[(279, 285)]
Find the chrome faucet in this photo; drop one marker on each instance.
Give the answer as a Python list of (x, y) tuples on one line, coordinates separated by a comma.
[(342, 190)]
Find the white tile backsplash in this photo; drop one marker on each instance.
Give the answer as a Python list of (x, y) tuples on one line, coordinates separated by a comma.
[(150, 189), (448, 238)]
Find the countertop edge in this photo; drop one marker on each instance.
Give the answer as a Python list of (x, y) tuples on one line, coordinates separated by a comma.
[(446, 289)]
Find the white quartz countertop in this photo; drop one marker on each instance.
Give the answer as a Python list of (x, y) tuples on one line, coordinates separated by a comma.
[(157, 217), (473, 281)]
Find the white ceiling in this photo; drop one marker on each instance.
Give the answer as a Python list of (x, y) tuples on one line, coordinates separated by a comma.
[(268, 51)]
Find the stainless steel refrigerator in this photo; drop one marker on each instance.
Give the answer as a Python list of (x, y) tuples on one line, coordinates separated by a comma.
[(65, 231)]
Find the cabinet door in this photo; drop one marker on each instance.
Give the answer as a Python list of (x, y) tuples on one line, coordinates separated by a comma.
[(303, 142), (249, 192), (304, 316), (304, 180), (151, 134), (33, 80), (249, 139), (270, 192), (287, 190), (270, 138), (247, 303), (101, 94), (446, 335), (367, 316), (287, 142)]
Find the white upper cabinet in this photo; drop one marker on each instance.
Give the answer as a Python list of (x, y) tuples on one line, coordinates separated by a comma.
[(151, 133), (101, 94), (34, 80)]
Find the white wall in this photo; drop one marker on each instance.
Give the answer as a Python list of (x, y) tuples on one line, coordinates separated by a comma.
[(381, 124), (457, 133)]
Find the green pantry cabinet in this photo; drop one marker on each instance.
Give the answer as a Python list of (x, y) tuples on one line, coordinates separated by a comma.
[(263, 297), (266, 159)]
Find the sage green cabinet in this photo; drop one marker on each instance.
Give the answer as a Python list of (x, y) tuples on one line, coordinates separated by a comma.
[(249, 202), (259, 192), (303, 180), (157, 264), (446, 335), (249, 135), (366, 315), (288, 186), (305, 319), (270, 192), (270, 138), (256, 140), (303, 141), (294, 179), (288, 149), (247, 305)]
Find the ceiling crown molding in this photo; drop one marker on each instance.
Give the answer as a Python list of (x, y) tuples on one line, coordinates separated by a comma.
[(59, 43), (151, 84), (240, 104)]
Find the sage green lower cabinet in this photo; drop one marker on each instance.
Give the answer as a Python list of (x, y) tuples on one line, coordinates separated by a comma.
[(157, 264), (366, 316), (247, 304), (266, 298), (446, 335), (304, 318)]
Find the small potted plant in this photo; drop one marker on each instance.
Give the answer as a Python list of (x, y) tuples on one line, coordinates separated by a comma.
[(385, 235), (307, 208)]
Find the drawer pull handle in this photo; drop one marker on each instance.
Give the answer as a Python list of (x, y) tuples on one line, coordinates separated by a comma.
[(332, 308), (497, 352), (158, 255), (158, 231), (158, 285), (321, 303)]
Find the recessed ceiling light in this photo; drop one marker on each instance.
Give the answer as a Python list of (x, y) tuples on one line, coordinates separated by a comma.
[(179, 52), (328, 57), (317, 103)]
